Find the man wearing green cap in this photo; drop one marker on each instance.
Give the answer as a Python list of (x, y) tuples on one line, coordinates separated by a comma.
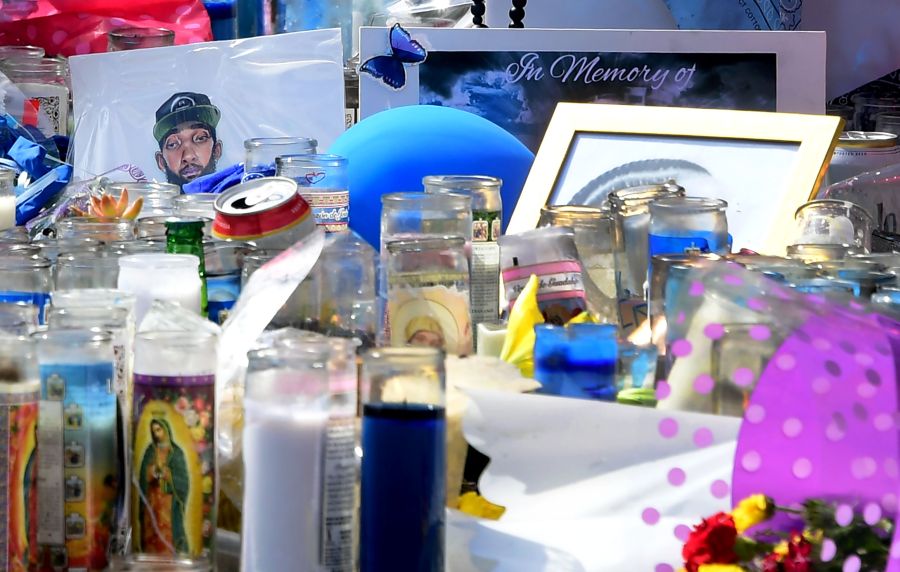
[(186, 132)]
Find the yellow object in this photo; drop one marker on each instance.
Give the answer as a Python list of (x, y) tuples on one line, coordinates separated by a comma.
[(781, 549), (752, 511), (719, 568), (582, 318), (476, 505), (518, 348)]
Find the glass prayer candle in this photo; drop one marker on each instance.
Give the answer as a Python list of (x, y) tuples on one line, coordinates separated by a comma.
[(170, 277), (86, 269), (18, 318), (26, 279), (811, 253), (415, 214), (102, 230), (12, 53), (15, 234), (158, 197), (135, 38), (834, 222), (47, 82), (173, 451), (302, 310), (577, 361), (323, 183), (19, 249), (348, 288), (428, 294), (404, 460), (20, 388), (261, 152), (487, 222), (224, 261), (80, 478), (7, 198), (688, 225), (285, 424), (198, 205)]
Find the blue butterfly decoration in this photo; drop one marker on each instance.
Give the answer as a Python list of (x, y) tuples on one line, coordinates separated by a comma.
[(389, 69)]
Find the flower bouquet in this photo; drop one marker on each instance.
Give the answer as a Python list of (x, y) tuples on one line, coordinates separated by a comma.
[(825, 537)]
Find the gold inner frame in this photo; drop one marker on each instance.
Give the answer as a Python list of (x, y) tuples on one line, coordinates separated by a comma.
[(816, 136)]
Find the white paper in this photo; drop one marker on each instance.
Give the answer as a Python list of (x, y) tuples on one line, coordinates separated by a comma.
[(283, 85), (575, 477)]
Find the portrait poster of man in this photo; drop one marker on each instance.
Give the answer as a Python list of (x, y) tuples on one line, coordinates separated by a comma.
[(176, 114)]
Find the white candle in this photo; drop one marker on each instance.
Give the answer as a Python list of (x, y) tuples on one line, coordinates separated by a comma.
[(170, 277), (282, 487), (490, 339), (7, 212)]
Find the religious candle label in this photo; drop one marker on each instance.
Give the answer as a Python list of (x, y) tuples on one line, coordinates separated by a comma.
[(78, 478), (422, 312), (485, 283), (560, 289), (339, 506), (330, 207), (18, 462), (173, 470)]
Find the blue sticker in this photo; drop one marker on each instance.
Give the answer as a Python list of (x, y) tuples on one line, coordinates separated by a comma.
[(39, 299)]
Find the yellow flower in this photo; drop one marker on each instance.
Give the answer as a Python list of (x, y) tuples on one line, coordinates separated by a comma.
[(476, 505), (518, 347), (720, 568), (752, 511)]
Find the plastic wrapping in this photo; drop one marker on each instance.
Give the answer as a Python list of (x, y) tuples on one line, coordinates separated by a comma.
[(70, 27), (878, 192), (182, 112)]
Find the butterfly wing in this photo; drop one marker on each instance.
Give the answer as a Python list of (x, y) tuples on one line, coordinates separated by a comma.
[(386, 68), (405, 48)]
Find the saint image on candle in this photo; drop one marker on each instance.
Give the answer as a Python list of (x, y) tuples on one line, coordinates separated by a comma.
[(164, 486)]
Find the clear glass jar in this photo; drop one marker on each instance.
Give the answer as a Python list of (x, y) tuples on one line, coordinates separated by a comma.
[(7, 198), (135, 38), (174, 434), (834, 222), (285, 424), (97, 269), (888, 122), (867, 107), (46, 80), (811, 253), (594, 234), (103, 230), (15, 53), (631, 210), (196, 205), (52, 248), (78, 419), (681, 225), (348, 288), (26, 279), (224, 261), (404, 442), (15, 234), (169, 277), (18, 318), (158, 197), (19, 249), (428, 294), (261, 152), (323, 183), (418, 214), (302, 310)]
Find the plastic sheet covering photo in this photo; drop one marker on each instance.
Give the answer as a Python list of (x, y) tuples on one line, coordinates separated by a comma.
[(878, 192), (180, 113), (807, 411)]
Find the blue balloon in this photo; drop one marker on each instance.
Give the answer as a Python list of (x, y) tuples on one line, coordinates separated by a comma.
[(393, 150)]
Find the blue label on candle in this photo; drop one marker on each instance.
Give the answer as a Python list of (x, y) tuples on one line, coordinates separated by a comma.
[(679, 244), (39, 299)]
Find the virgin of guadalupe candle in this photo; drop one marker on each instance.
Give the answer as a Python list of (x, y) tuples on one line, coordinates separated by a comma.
[(19, 393), (404, 471), (286, 417), (173, 455), (77, 449)]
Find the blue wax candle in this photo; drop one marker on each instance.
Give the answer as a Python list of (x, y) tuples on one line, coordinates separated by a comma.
[(222, 17), (591, 358), (403, 488)]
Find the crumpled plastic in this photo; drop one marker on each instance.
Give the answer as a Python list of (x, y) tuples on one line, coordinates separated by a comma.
[(74, 27)]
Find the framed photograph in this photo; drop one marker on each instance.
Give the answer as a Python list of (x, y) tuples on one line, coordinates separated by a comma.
[(764, 164), (515, 78)]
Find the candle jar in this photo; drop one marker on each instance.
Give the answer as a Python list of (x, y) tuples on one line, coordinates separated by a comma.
[(103, 230), (261, 152), (737, 350), (135, 38), (7, 198), (834, 222), (323, 183), (867, 107), (411, 215), (198, 205), (594, 231), (14, 53), (577, 361), (80, 468), (170, 277), (688, 225), (888, 122), (19, 394), (51, 248), (631, 210), (348, 288), (87, 269), (158, 197), (19, 249), (44, 80), (18, 318), (302, 310), (15, 234), (26, 279), (222, 18), (812, 253), (285, 424), (487, 221), (224, 261), (173, 447), (428, 294), (404, 457)]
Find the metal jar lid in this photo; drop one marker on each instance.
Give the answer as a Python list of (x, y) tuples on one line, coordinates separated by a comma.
[(867, 139), (258, 208)]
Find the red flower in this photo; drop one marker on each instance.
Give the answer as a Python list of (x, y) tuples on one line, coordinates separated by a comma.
[(798, 556), (771, 563), (711, 542)]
